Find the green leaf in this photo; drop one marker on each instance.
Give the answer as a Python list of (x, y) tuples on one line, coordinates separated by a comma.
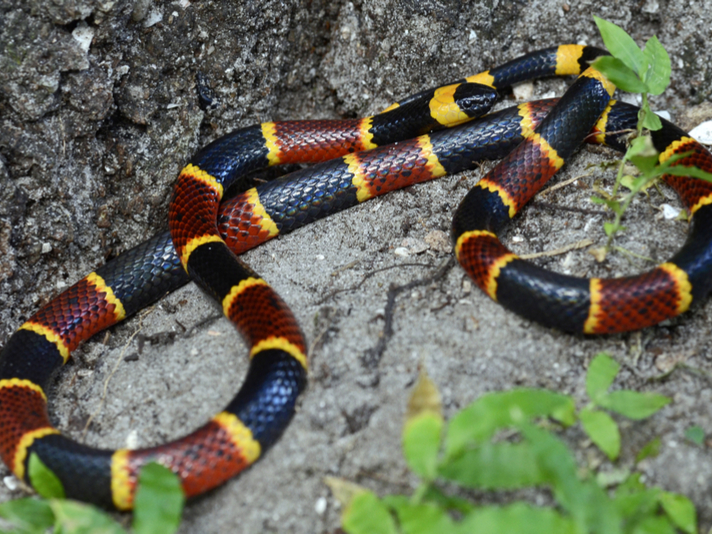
[(587, 503), (480, 420), (689, 171), (517, 518), (647, 165), (601, 372), (602, 430), (619, 74), (649, 450), (435, 495), (365, 514), (674, 158), (611, 204), (611, 228), (621, 45), (77, 518), (641, 183), (634, 405), (495, 466), (599, 200), (657, 77), (631, 485), (695, 434), (421, 443), (643, 154), (642, 146), (654, 525), (652, 122), (680, 511), (44, 481), (28, 513), (159, 501), (607, 479), (423, 518), (633, 500)]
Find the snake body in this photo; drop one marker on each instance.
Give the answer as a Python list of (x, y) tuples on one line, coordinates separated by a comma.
[(205, 236)]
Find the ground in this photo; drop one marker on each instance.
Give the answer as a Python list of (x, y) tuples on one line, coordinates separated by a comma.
[(98, 111)]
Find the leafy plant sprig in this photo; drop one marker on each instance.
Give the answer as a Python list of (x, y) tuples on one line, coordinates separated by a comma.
[(480, 451), (647, 72), (157, 506)]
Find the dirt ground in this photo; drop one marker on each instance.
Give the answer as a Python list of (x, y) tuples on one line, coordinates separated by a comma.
[(98, 111)]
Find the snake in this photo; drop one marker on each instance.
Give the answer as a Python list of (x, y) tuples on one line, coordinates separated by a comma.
[(423, 137)]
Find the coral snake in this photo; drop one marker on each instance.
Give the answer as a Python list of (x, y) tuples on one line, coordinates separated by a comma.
[(534, 138)]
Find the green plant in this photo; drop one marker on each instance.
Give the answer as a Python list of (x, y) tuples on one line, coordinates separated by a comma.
[(503, 441), (157, 507), (647, 72)]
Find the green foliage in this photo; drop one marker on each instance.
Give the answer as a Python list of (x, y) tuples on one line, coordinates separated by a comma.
[(645, 71), (602, 430), (503, 441), (695, 434), (421, 444), (28, 515), (634, 70), (72, 517), (44, 481), (365, 513), (650, 450), (158, 506), (159, 501)]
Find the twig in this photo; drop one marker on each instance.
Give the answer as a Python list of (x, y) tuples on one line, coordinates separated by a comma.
[(366, 277), (373, 355), (558, 251), (113, 371), (559, 207)]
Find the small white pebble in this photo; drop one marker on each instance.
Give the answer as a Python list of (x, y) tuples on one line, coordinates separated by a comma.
[(568, 261), (663, 113), (523, 91), (670, 212), (517, 239), (629, 98), (651, 6), (473, 35), (10, 482), (401, 252), (414, 245), (154, 17), (320, 506), (46, 247), (703, 132), (320, 257), (83, 34), (132, 440)]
